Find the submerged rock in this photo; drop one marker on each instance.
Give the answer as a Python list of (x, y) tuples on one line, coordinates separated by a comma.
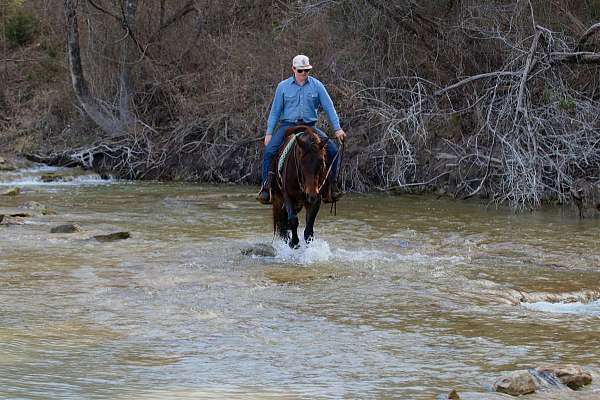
[(517, 383), (67, 228), (21, 214), (294, 276), (8, 220), (11, 192), (38, 207), (227, 205), (51, 177), (6, 166), (112, 237), (260, 249)]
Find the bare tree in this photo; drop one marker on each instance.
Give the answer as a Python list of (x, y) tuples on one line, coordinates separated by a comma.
[(104, 117)]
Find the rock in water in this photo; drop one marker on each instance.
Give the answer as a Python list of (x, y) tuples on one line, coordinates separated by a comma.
[(11, 192), (112, 237), (42, 209), (260, 249), (6, 166), (68, 228), (570, 375), (453, 395), (516, 384), (1, 217)]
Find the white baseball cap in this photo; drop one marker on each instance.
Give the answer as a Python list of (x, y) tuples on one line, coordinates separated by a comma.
[(301, 62)]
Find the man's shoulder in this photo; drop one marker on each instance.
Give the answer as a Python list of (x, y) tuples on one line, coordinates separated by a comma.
[(286, 81), (316, 82)]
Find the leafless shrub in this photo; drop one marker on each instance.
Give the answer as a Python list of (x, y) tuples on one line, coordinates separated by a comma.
[(493, 99), (586, 195)]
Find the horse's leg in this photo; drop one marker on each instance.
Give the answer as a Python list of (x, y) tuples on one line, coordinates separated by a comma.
[(284, 227), (311, 214), (292, 218), (280, 220)]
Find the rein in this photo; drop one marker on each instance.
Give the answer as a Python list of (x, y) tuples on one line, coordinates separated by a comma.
[(331, 165)]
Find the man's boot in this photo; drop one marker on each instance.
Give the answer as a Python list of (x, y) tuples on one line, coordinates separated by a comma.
[(331, 194), (264, 196)]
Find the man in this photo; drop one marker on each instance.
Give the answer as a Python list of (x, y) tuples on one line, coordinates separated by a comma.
[(296, 102)]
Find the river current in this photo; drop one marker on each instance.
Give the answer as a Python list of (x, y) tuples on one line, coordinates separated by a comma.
[(400, 297)]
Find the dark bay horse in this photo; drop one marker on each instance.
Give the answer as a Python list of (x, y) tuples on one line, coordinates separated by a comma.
[(300, 167)]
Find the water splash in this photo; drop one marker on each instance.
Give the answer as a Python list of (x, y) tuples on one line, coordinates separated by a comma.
[(33, 176), (320, 251), (591, 309), (317, 251)]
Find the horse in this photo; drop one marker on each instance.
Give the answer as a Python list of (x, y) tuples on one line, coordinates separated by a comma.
[(300, 167)]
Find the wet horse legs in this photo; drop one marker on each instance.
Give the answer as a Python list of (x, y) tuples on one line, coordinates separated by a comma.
[(311, 215), (292, 217)]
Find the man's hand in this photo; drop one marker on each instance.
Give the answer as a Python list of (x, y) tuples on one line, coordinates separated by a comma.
[(267, 138), (340, 135)]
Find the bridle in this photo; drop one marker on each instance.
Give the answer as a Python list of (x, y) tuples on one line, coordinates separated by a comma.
[(297, 155)]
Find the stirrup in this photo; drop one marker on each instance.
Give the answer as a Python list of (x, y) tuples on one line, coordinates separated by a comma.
[(264, 195)]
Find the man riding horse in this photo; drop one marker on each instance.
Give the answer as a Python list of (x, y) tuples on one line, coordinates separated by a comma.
[(296, 102)]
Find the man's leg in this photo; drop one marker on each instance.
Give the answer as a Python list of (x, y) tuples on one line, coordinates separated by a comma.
[(264, 196), (331, 194)]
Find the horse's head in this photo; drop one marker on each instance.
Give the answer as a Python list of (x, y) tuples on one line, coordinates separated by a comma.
[(312, 168)]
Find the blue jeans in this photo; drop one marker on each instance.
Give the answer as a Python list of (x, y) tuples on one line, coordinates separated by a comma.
[(276, 141)]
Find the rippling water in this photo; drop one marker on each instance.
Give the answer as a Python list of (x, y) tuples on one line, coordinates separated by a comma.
[(399, 297)]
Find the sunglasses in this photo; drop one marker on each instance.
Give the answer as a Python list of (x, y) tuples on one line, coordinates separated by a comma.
[(301, 71)]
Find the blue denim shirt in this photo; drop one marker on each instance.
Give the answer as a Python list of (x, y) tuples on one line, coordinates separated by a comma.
[(293, 102)]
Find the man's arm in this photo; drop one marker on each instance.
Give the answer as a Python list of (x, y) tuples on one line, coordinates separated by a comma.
[(276, 109), (329, 109)]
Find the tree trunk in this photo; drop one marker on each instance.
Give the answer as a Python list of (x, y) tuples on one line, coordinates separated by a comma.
[(129, 12), (101, 116)]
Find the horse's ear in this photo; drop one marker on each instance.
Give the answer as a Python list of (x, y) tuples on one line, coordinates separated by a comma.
[(323, 143)]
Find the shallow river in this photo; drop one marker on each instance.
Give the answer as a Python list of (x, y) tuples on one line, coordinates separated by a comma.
[(399, 297)]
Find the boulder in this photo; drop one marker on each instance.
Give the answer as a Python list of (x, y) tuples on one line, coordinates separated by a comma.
[(517, 383), (50, 177), (5, 165), (1, 217), (453, 395), (112, 237), (67, 228), (56, 177), (11, 192), (8, 220), (21, 215), (570, 375)]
